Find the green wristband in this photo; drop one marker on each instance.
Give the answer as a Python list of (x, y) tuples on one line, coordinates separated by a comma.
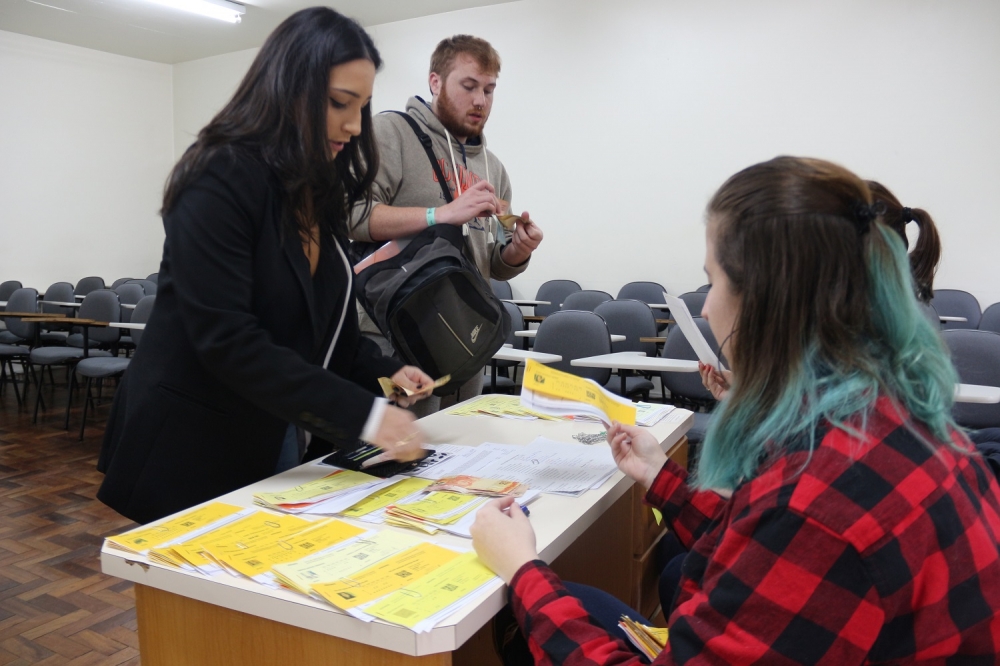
[(430, 217)]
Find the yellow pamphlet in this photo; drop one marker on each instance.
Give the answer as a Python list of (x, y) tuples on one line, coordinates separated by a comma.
[(141, 539), (574, 395), (438, 507), (261, 556), (433, 593), (313, 490), (386, 496), (649, 640), (387, 576), (251, 529), (391, 388), (341, 561), (498, 405)]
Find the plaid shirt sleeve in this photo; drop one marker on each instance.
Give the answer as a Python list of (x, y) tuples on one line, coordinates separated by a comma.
[(689, 512), (766, 594)]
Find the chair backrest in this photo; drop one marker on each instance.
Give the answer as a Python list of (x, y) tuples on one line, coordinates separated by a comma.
[(61, 292), (149, 288), (154, 278), (140, 315), (574, 334), (695, 301), (990, 321), (931, 314), (516, 324), (129, 294), (630, 318), (586, 299), (102, 305), (976, 355), (7, 288), (554, 291), (957, 303), (119, 282), (686, 384), (501, 289), (23, 300), (86, 285), (703, 288), (647, 292)]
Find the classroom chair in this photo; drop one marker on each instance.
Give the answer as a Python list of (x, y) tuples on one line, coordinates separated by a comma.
[(554, 291), (575, 334), (695, 301), (686, 388), (585, 299), (990, 321), (85, 286), (976, 355), (501, 289), (647, 292), (634, 320), (25, 334), (957, 303)]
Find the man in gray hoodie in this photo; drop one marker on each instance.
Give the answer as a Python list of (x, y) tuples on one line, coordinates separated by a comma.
[(406, 193)]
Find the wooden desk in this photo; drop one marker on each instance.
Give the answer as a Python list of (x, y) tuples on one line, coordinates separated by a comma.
[(534, 318), (192, 620)]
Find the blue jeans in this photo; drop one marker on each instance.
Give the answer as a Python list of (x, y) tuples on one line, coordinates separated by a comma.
[(289, 456)]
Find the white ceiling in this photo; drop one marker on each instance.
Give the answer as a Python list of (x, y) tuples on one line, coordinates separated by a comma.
[(142, 29)]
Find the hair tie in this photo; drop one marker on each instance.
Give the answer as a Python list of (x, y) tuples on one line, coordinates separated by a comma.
[(865, 213), (907, 215)]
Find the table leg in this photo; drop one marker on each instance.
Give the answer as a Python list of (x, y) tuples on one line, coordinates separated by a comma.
[(86, 342), (623, 373), (493, 374)]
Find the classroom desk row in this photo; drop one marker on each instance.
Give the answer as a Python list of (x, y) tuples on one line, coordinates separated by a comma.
[(190, 619)]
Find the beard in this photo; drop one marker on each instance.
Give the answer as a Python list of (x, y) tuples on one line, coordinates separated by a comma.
[(454, 120)]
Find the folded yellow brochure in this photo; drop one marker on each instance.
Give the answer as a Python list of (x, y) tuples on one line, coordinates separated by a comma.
[(391, 388), (386, 496), (586, 394), (141, 539), (437, 507), (342, 561), (260, 557), (649, 640), (251, 529), (387, 576), (315, 490), (433, 593)]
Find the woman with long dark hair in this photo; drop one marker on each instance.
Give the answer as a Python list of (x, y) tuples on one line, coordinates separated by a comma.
[(837, 514), (252, 359)]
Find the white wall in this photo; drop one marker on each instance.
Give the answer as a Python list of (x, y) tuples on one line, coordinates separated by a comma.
[(85, 146), (617, 120)]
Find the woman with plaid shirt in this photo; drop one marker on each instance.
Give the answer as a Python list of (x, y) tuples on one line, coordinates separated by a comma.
[(838, 515)]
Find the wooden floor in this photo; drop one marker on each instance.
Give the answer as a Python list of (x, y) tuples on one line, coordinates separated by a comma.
[(56, 607)]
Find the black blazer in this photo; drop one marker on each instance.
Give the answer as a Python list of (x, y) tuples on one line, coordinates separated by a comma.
[(234, 351)]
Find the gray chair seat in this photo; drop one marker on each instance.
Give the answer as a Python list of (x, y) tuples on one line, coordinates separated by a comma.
[(633, 385), (101, 366), (8, 338), (76, 340), (12, 351), (53, 355)]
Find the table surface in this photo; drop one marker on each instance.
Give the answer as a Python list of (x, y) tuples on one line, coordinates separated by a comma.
[(79, 297), (129, 325), (636, 361), (977, 393), (947, 318), (558, 521), (530, 333), (128, 306), (3, 304), (65, 304), (506, 353), (525, 301)]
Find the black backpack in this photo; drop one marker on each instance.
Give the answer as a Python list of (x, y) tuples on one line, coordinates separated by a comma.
[(431, 302)]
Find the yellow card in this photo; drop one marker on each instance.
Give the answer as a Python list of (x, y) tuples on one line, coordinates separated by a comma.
[(438, 507), (391, 388), (142, 539), (252, 528), (339, 480), (548, 381), (432, 593), (386, 496), (342, 561), (262, 556), (387, 576)]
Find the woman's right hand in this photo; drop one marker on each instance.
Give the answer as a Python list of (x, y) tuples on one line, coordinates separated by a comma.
[(636, 452), (398, 435), (716, 382)]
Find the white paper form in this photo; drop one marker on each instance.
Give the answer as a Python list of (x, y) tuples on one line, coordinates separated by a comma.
[(680, 313), (551, 466)]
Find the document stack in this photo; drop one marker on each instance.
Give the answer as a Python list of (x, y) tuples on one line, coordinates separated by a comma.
[(561, 394), (649, 640), (326, 496)]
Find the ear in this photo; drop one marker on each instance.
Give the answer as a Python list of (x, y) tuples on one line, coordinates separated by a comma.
[(434, 82)]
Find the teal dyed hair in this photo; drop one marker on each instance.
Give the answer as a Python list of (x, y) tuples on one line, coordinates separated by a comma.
[(828, 318)]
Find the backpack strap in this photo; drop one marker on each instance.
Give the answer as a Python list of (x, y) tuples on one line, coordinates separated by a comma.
[(425, 141)]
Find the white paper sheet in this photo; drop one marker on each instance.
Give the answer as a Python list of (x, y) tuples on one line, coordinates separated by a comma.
[(680, 314)]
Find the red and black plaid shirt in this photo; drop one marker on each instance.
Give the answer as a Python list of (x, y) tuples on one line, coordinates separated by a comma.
[(865, 552)]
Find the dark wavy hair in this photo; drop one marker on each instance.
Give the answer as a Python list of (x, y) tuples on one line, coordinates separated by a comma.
[(279, 114), (927, 250)]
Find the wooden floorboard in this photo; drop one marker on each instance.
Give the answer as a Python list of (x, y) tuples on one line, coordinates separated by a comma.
[(56, 607)]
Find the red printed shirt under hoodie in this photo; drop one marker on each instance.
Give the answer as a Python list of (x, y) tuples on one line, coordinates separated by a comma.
[(865, 552)]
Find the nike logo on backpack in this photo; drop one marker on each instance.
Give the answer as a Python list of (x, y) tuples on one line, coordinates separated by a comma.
[(475, 333)]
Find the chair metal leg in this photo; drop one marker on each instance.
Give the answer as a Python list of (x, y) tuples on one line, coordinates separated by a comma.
[(86, 399), (69, 398), (13, 381), (38, 395)]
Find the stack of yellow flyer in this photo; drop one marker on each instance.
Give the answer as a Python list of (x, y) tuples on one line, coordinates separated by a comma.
[(433, 511), (503, 406), (649, 640), (426, 602), (389, 575), (550, 391), (341, 560), (185, 526), (329, 495), (372, 508)]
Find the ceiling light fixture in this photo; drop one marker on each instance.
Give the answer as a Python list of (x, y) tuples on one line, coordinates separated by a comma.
[(224, 10)]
